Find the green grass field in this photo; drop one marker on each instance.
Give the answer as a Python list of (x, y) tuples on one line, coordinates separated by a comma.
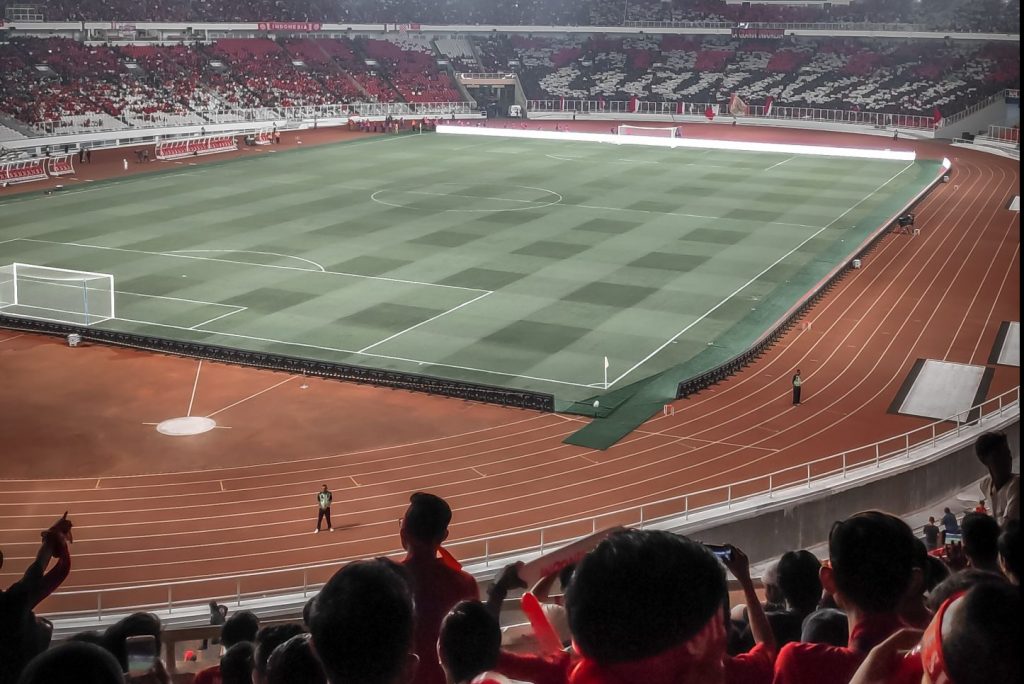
[(507, 262)]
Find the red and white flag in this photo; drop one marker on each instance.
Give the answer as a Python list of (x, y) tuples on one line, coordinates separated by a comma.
[(709, 112), (768, 102), (634, 104), (561, 103), (737, 107), (936, 117)]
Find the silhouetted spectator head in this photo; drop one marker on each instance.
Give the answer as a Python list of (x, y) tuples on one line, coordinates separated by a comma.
[(362, 625), (799, 581), (773, 594), (236, 664), (871, 556), (980, 635), (469, 642), (75, 662), (1009, 551), (241, 626), (936, 573), (826, 626), (136, 624), (993, 451), (90, 637), (426, 520), (960, 582), (565, 576), (981, 541), (267, 639), (294, 662), (643, 592)]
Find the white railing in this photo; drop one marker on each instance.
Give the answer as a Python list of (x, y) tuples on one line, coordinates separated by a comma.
[(878, 119), (978, 106), (499, 548), (1008, 134), (892, 27)]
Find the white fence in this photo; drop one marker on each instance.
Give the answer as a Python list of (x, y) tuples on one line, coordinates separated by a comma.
[(670, 109), (500, 548)]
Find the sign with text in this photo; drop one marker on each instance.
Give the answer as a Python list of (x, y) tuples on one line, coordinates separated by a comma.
[(758, 33), (288, 26)]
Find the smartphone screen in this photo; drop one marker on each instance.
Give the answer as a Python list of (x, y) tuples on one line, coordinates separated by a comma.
[(723, 553), (141, 652)]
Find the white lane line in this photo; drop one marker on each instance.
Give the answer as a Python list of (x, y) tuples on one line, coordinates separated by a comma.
[(413, 327), (195, 385), (251, 396), (755, 278)]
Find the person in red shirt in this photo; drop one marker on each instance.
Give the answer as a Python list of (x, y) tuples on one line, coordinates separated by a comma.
[(869, 571), (756, 665), (436, 584), (645, 607)]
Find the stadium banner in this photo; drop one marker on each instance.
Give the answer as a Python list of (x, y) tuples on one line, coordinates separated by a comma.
[(758, 33), (288, 26), (405, 28)]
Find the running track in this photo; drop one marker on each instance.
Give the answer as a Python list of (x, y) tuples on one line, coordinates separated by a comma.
[(941, 294)]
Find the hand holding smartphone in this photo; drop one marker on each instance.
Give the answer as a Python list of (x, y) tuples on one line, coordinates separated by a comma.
[(141, 651), (721, 551)]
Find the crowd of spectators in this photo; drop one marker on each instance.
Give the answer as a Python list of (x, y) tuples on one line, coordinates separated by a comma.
[(964, 15), (90, 86), (642, 607), (850, 74)]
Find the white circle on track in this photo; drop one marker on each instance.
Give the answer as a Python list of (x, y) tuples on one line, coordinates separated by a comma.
[(186, 426)]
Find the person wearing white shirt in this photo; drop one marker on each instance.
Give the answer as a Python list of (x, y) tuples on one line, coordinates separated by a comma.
[(1001, 488)]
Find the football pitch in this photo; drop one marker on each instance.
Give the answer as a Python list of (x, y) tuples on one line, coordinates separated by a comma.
[(516, 263)]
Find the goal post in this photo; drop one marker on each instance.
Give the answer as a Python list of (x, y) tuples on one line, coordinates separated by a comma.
[(650, 131), (61, 295)]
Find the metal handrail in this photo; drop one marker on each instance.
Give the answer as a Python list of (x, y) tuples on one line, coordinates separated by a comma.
[(848, 463)]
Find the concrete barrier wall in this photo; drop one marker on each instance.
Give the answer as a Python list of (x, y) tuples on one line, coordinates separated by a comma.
[(771, 529)]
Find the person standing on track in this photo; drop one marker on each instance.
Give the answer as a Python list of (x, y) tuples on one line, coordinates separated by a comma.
[(797, 382), (323, 500)]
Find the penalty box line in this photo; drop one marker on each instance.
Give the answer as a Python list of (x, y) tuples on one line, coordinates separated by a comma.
[(175, 255)]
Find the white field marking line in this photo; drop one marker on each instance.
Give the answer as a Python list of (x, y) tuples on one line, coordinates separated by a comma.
[(179, 299), (14, 337), (835, 347), (249, 263), (251, 396), (314, 459), (706, 441), (195, 386), (960, 327), (413, 327), (306, 345), (755, 278), (780, 163), (1009, 269), (217, 318), (555, 156), (829, 302), (247, 251), (536, 204), (673, 213)]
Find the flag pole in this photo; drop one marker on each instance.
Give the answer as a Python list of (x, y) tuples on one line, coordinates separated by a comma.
[(606, 372)]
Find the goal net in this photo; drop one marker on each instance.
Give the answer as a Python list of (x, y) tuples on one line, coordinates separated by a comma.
[(56, 294), (650, 131)]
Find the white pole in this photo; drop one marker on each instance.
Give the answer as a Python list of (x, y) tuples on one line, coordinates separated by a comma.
[(606, 372)]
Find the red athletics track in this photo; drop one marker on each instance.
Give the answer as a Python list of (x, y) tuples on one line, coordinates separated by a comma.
[(149, 508)]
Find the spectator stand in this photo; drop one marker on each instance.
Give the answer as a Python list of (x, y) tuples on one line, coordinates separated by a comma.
[(62, 165), (194, 147), (12, 173)]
